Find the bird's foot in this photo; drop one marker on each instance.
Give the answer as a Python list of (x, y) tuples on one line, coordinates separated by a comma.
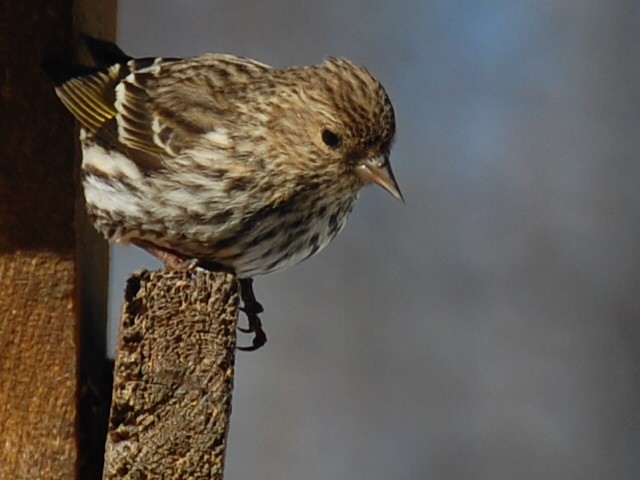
[(172, 260), (251, 308)]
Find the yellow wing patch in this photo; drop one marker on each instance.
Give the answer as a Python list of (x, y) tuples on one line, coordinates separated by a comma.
[(91, 98)]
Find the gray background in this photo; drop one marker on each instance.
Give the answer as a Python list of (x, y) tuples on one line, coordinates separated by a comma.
[(488, 328)]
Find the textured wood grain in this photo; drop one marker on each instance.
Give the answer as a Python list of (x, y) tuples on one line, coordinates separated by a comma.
[(98, 18), (40, 325), (173, 377), (37, 367)]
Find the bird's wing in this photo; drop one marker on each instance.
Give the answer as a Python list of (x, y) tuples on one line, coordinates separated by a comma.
[(156, 108)]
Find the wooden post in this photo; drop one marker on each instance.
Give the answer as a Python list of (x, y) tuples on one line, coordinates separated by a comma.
[(40, 308), (175, 363), (97, 18), (173, 376)]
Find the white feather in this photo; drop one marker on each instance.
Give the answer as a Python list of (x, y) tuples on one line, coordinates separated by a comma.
[(112, 164)]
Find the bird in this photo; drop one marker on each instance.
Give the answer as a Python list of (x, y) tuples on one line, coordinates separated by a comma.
[(224, 162)]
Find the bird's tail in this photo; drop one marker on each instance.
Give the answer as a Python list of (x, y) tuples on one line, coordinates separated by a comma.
[(104, 54)]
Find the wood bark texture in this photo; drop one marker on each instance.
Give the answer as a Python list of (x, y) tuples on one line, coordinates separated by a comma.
[(173, 376)]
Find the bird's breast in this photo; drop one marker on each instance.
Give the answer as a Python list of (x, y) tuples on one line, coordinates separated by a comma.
[(288, 234)]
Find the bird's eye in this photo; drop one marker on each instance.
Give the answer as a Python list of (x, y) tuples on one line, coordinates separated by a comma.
[(331, 139)]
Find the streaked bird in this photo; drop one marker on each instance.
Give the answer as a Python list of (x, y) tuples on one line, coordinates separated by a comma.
[(225, 162)]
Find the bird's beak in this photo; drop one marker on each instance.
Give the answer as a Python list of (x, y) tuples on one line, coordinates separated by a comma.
[(378, 170)]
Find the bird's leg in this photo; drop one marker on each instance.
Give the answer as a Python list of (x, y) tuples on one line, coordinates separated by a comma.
[(171, 259), (251, 308)]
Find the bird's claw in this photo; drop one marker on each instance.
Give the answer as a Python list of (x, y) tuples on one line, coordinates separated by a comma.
[(251, 309), (255, 327), (245, 330), (259, 339)]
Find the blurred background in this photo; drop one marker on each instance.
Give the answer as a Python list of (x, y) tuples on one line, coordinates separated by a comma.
[(489, 327)]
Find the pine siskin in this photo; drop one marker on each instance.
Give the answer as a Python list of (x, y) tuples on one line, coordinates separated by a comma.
[(224, 160)]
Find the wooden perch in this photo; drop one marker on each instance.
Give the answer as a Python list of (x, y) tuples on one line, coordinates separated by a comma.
[(173, 376)]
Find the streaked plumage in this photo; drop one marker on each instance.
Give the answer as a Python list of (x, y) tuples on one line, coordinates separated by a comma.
[(224, 159)]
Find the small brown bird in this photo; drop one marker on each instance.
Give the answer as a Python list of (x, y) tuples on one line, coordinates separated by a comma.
[(223, 161)]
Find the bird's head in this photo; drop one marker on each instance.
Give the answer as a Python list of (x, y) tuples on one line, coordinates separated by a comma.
[(336, 119)]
